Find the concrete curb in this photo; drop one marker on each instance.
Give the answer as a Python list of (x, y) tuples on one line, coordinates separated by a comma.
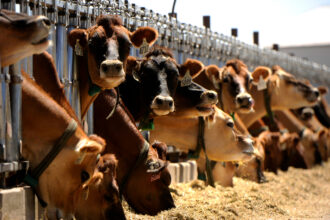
[(183, 172)]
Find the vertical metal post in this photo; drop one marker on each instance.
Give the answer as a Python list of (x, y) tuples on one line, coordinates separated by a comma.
[(234, 32), (75, 98), (276, 47), (52, 15), (15, 97), (256, 37)]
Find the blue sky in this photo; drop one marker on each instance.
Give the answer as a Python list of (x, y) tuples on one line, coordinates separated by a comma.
[(286, 22)]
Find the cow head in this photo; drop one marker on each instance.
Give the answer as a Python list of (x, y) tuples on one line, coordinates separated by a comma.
[(235, 80), (312, 154), (286, 91), (152, 179), (293, 153), (21, 36), (323, 143), (271, 144), (253, 168), (234, 146), (101, 200), (107, 45), (158, 75), (76, 165)]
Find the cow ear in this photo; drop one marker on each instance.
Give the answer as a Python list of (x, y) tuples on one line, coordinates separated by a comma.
[(263, 71), (148, 34), (322, 89), (87, 146), (194, 67), (161, 149), (78, 35), (133, 67), (213, 73)]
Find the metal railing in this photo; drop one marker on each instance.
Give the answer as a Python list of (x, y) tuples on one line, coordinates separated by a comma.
[(183, 39)]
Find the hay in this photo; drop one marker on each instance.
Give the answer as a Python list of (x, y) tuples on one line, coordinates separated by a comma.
[(294, 194)]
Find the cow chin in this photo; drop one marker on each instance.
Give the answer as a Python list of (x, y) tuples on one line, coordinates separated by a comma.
[(245, 110), (110, 82), (205, 110), (161, 112)]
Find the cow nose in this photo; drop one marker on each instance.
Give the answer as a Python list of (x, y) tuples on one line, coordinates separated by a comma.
[(230, 123), (210, 96), (111, 68), (244, 100), (164, 102), (43, 21)]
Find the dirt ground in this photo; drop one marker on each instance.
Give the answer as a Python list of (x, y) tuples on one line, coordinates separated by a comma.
[(295, 194)]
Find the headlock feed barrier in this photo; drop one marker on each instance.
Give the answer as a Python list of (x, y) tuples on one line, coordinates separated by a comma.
[(184, 40)]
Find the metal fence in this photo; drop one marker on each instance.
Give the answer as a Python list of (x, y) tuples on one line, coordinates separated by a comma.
[(185, 41)]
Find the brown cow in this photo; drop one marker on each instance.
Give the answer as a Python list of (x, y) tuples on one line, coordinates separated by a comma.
[(75, 163), (307, 137), (101, 194), (253, 168), (103, 50), (221, 141), (284, 90), (151, 83), (126, 142), (293, 153), (232, 83), (271, 144), (21, 36), (234, 79)]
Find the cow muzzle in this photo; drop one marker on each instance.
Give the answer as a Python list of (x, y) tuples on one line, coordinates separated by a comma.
[(244, 102), (162, 105), (313, 95), (42, 27), (208, 100), (112, 69)]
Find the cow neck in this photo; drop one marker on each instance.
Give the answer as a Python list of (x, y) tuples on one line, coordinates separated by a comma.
[(290, 122), (45, 75), (32, 177), (88, 91), (120, 132), (132, 95), (201, 145)]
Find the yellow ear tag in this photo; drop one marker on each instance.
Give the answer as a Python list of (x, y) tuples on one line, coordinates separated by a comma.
[(78, 49), (262, 85), (144, 47), (186, 80)]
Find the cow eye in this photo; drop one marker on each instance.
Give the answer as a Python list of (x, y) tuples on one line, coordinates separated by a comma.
[(226, 79), (84, 176)]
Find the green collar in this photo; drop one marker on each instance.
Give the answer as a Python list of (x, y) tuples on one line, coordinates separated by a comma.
[(199, 147), (146, 124), (232, 115), (267, 100), (32, 176), (93, 89)]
